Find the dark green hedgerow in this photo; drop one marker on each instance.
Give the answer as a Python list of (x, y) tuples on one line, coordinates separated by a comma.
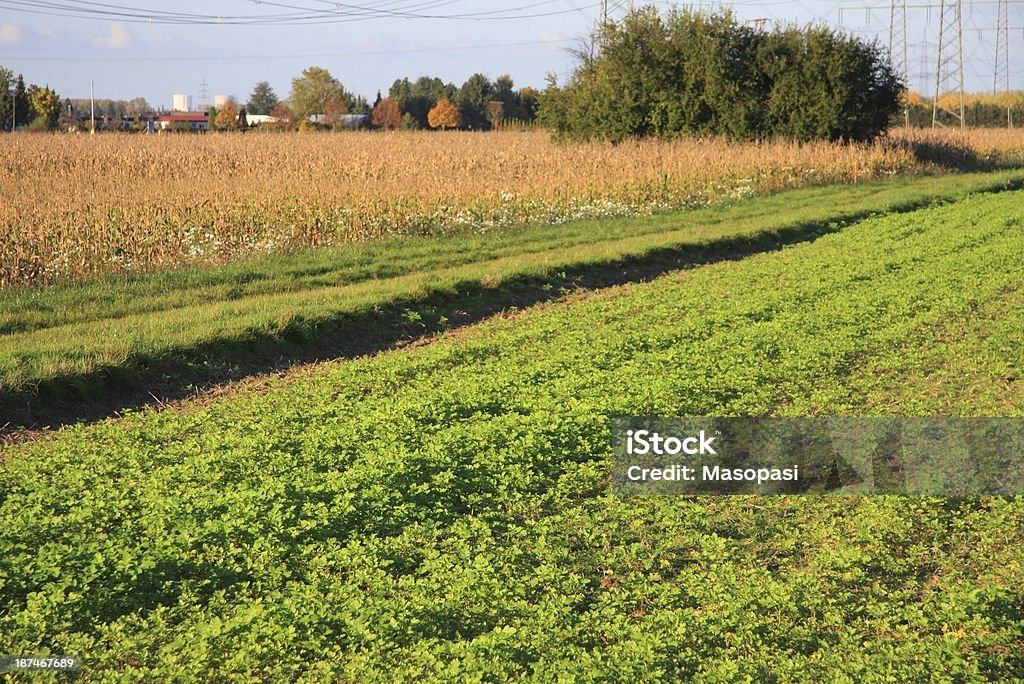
[(443, 513), (690, 73)]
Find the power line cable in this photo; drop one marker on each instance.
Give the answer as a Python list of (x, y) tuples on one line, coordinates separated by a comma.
[(302, 15)]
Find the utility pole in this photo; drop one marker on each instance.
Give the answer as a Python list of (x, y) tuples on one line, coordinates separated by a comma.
[(898, 47), (1001, 78), (92, 107), (949, 68)]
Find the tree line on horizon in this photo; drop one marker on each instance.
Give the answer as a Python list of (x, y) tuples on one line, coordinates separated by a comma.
[(427, 102), (317, 100)]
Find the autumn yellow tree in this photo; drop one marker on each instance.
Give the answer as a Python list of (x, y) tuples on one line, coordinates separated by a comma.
[(45, 106), (444, 115), (227, 116), (387, 114), (914, 98)]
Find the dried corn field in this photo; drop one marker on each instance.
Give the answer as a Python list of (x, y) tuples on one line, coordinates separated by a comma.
[(75, 206)]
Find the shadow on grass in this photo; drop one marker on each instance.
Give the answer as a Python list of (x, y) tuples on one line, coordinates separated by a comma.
[(184, 372)]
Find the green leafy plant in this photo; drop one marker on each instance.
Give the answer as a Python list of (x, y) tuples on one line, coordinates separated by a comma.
[(443, 512)]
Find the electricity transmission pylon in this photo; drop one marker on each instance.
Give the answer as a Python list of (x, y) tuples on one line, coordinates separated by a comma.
[(898, 46), (1002, 70), (949, 70)]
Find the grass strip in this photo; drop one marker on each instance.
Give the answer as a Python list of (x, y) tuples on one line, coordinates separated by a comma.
[(96, 347)]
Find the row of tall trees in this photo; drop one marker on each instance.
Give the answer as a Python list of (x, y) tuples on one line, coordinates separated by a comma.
[(694, 73), (479, 104), (34, 106), (113, 110)]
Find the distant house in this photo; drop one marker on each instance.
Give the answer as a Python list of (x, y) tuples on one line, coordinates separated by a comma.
[(197, 121), (260, 119), (355, 120), (346, 121)]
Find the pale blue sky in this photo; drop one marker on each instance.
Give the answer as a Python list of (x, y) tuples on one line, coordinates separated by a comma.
[(112, 43)]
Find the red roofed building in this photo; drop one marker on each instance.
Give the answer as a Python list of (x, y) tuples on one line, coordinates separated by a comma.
[(197, 121)]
